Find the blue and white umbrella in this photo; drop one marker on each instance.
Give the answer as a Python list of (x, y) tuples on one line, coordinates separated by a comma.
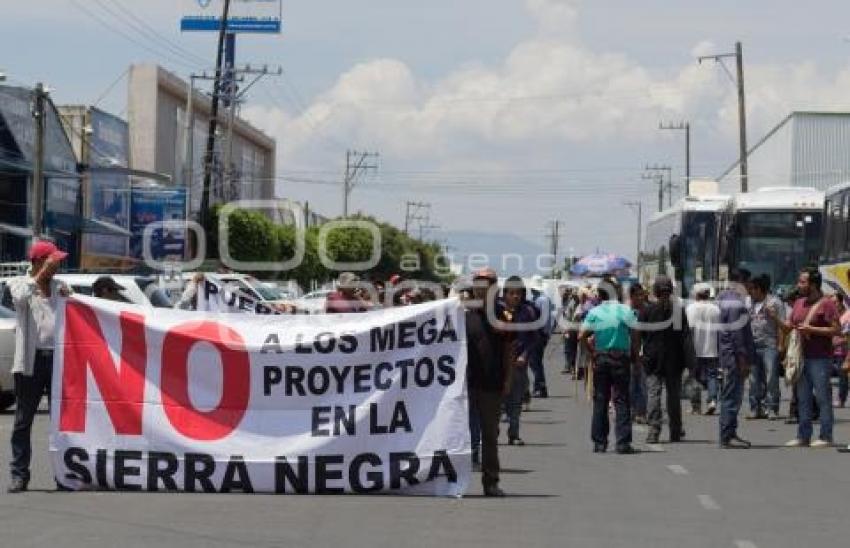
[(600, 265)]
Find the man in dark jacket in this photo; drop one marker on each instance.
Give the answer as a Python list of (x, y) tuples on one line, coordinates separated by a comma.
[(486, 374), (737, 351), (664, 327)]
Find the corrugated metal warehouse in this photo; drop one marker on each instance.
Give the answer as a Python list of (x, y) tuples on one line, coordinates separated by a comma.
[(805, 149)]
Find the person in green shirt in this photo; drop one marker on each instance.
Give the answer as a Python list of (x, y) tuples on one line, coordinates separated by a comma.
[(608, 336)]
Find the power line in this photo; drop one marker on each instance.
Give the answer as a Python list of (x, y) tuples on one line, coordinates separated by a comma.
[(173, 45), (127, 37), (151, 36), (316, 127), (451, 102), (110, 87)]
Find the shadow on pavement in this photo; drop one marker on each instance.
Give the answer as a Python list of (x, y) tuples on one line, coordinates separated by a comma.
[(764, 446), (545, 444), (515, 496), (692, 442)]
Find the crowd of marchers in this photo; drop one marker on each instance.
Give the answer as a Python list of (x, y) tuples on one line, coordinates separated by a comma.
[(633, 347), (743, 341), (629, 347)]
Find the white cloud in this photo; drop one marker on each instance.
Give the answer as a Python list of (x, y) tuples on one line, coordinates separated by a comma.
[(549, 87), (552, 102), (555, 16)]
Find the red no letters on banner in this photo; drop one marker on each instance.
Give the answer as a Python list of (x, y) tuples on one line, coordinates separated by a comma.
[(122, 386)]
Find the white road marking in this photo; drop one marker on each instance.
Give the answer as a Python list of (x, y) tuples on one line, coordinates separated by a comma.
[(655, 448), (745, 544), (708, 503), (678, 469)]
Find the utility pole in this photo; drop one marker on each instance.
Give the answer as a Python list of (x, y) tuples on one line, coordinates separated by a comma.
[(411, 214), (686, 126), (554, 238), (742, 110), (424, 227), (189, 138), (232, 101), (234, 97), (356, 163), (230, 95), (39, 116), (660, 170), (639, 207), (208, 157), (659, 180)]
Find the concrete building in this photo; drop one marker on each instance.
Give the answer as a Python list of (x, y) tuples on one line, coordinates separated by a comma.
[(61, 179), (808, 149), (101, 145), (156, 107)]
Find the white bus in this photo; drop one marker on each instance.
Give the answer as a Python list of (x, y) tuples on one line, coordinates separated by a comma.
[(835, 256), (775, 231), (684, 242)]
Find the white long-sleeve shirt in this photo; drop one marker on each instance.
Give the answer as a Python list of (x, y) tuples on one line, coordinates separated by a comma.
[(36, 315)]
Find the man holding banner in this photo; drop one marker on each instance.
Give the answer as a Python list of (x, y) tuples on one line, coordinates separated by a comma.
[(356, 403), (36, 298)]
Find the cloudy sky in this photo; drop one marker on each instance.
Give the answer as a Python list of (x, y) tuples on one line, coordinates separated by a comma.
[(503, 114)]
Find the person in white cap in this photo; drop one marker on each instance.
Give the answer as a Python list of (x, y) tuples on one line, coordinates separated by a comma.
[(704, 320), (36, 297)]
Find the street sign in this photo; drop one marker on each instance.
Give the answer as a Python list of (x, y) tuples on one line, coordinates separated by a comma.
[(246, 16)]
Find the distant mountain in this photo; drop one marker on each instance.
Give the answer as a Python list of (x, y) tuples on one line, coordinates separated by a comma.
[(508, 253)]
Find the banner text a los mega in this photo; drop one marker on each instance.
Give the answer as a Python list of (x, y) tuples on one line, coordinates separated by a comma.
[(170, 400)]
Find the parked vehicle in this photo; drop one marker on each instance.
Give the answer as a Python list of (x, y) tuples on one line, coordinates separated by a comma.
[(835, 256), (684, 242), (776, 231), (7, 355), (773, 231), (313, 302), (140, 290)]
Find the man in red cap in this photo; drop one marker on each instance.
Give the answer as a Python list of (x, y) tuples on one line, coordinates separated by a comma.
[(35, 297), (487, 376)]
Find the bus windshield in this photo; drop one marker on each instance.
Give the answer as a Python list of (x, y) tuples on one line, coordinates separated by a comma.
[(778, 243), (699, 247)]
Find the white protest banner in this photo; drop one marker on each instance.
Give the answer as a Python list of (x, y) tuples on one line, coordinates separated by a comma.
[(189, 401), (214, 296)]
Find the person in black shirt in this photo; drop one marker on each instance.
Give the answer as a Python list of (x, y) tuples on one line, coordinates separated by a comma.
[(487, 375), (664, 327)]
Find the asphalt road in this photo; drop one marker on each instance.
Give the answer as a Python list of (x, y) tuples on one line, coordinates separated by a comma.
[(560, 494)]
